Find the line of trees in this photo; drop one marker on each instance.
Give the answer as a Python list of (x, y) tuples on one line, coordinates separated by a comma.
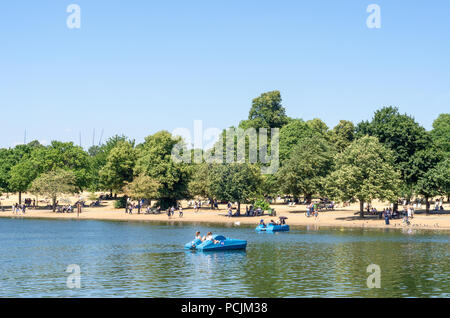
[(389, 157)]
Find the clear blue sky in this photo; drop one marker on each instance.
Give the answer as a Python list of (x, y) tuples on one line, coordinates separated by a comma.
[(136, 67)]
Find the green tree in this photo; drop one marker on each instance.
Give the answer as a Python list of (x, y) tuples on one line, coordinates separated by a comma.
[(304, 172), (6, 163), (64, 155), (155, 161), (319, 127), (98, 157), (290, 135), (200, 182), (55, 183), (266, 112), (441, 173), (142, 187), (441, 133), (400, 133), (119, 166), (22, 175), (8, 159), (365, 171), (343, 134), (235, 182), (435, 181)]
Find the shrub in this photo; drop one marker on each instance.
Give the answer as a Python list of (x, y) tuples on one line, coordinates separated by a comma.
[(120, 203), (263, 204)]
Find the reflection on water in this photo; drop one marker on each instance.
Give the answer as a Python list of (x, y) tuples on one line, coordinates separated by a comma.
[(147, 260)]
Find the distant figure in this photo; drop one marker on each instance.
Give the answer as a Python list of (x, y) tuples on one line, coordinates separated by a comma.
[(386, 217), (180, 212), (230, 212)]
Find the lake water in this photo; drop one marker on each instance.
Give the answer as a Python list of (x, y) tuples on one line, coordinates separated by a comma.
[(129, 259)]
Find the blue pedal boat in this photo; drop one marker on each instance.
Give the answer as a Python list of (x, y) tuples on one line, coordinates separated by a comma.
[(223, 244), (272, 228)]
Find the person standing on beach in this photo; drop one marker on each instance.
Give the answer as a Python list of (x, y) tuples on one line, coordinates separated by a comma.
[(180, 212)]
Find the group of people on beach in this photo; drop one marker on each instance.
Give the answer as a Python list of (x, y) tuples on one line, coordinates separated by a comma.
[(312, 209), (389, 213), (17, 208), (171, 211)]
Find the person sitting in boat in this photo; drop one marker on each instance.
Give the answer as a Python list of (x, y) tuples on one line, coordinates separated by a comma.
[(209, 237), (283, 220), (197, 237), (262, 223), (273, 222)]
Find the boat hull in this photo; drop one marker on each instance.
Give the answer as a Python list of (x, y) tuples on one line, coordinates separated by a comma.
[(272, 228), (192, 245), (223, 244)]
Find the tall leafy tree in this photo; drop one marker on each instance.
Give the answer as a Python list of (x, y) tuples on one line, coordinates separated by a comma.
[(434, 181), (400, 133), (64, 155), (290, 135), (343, 134), (119, 166), (22, 175), (98, 157), (304, 172), (319, 127), (364, 171), (55, 183), (200, 182), (142, 187), (235, 182), (441, 173), (266, 112), (441, 133), (6, 163), (155, 160), (18, 169)]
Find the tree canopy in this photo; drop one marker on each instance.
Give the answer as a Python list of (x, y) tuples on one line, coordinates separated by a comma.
[(266, 112), (364, 171), (305, 170), (55, 183)]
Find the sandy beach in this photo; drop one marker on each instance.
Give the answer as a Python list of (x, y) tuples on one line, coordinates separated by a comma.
[(340, 217)]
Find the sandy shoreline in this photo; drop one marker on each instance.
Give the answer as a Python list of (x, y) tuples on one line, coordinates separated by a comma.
[(348, 217)]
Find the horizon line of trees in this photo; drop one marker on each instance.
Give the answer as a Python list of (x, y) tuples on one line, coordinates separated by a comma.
[(387, 158)]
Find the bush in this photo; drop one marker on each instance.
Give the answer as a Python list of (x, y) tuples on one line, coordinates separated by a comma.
[(263, 204), (121, 203)]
